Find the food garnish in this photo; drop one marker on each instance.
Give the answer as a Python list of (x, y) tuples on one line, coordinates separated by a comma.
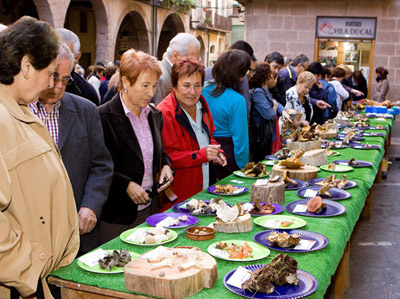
[(116, 259), (286, 223), (284, 239), (258, 208), (200, 207), (293, 162), (254, 170), (225, 189), (352, 161), (332, 166), (236, 251)]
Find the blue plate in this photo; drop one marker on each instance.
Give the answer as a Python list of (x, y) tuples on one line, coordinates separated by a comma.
[(300, 184), (333, 208), (350, 184), (180, 208), (375, 128), (360, 163), (337, 194), (373, 134), (271, 157), (308, 284), (361, 146), (238, 191), (154, 219), (320, 240), (357, 138)]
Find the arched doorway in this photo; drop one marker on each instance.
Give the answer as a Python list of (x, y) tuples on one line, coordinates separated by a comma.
[(202, 50), (131, 34), (172, 26), (12, 10)]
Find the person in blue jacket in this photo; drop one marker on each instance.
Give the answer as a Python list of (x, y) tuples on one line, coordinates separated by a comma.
[(228, 108)]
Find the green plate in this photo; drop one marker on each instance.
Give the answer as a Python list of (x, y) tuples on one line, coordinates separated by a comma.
[(263, 221), (242, 175), (128, 232), (259, 252), (114, 270), (269, 162), (335, 153), (338, 168)]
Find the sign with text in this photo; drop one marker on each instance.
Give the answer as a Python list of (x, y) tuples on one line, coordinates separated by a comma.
[(346, 27)]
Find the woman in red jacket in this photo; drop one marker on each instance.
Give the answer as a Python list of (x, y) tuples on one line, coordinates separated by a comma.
[(187, 133)]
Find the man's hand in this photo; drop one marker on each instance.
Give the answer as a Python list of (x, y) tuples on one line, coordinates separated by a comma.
[(322, 105), (137, 194), (220, 159), (87, 220), (166, 174)]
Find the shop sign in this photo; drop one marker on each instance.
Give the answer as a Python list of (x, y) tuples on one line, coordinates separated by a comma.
[(346, 27)]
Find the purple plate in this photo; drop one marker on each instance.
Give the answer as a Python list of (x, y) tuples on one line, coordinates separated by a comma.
[(308, 284), (368, 134), (363, 128), (239, 190), (271, 157), (357, 138), (337, 194), (333, 208), (278, 209), (300, 184), (375, 128), (180, 208), (360, 164), (361, 146), (350, 184), (320, 240), (156, 218)]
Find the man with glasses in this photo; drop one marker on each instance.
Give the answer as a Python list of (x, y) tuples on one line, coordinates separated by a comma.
[(292, 71), (74, 124)]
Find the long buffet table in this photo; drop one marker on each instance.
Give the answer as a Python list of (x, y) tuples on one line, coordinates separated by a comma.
[(323, 264)]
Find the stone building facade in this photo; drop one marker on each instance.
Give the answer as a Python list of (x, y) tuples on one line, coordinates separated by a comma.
[(289, 26)]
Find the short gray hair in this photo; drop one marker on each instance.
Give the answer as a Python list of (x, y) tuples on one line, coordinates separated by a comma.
[(64, 52), (182, 43), (70, 37), (3, 27)]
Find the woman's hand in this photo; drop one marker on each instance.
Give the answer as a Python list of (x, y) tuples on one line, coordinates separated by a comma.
[(220, 159), (286, 116), (212, 151), (137, 194), (305, 123), (271, 82), (165, 175), (322, 104), (357, 92), (275, 107), (319, 84)]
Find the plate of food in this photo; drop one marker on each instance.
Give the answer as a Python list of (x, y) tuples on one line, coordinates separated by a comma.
[(353, 163), (270, 162), (365, 146), (331, 153), (238, 250), (199, 207), (373, 134), (332, 167), (280, 222), (292, 184), (326, 192), (106, 261), (148, 236), (333, 144), (252, 170), (323, 208), (227, 189), (262, 208), (332, 180), (294, 240), (378, 127), (301, 283), (355, 138), (171, 220)]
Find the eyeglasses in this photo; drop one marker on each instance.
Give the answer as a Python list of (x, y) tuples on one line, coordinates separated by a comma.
[(65, 80), (187, 87), (251, 71)]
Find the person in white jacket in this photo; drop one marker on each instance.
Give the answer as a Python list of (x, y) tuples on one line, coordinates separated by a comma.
[(341, 94)]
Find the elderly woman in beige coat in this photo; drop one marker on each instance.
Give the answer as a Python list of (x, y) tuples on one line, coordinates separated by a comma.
[(38, 219)]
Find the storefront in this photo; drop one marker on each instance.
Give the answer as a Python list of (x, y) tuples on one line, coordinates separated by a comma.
[(346, 40)]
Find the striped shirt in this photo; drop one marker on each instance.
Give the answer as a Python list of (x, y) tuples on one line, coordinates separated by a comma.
[(50, 119)]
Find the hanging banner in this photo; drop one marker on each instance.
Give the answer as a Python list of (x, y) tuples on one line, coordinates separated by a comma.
[(346, 27)]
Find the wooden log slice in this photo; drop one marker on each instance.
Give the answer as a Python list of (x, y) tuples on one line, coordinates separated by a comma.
[(315, 157), (271, 192), (305, 146), (332, 127), (344, 122), (241, 225), (304, 173), (170, 282), (328, 134)]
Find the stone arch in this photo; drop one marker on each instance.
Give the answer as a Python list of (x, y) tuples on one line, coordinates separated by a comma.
[(202, 50), (172, 25), (12, 10)]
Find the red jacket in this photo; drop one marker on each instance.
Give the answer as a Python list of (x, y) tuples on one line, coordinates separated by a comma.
[(180, 144)]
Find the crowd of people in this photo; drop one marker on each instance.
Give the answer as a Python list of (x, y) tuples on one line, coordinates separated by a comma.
[(84, 157)]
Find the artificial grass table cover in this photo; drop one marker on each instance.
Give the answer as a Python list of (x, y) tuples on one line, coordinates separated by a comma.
[(322, 264)]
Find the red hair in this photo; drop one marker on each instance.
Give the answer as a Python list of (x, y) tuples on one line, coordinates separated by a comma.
[(185, 68), (134, 63)]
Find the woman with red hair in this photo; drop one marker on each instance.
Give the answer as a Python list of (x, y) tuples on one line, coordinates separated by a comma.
[(188, 131)]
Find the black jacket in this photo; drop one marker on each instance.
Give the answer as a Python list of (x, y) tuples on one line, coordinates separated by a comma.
[(83, 88), (124, 147)]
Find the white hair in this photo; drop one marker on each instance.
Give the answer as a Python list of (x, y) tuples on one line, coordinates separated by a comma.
[(64, 52), (182, 42), (70, 37), (3, 27)]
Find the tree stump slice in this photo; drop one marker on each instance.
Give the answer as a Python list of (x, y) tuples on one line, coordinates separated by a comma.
[(343, 122), (316, 157), (304, 173), (305, 146), (328, 134), (271, 192), (170, 282), (241, 225)]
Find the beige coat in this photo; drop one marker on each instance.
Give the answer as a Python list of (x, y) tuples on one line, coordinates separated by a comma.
[(38, 219)]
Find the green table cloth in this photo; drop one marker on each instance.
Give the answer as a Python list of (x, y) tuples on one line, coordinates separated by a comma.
[(322, 264)]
